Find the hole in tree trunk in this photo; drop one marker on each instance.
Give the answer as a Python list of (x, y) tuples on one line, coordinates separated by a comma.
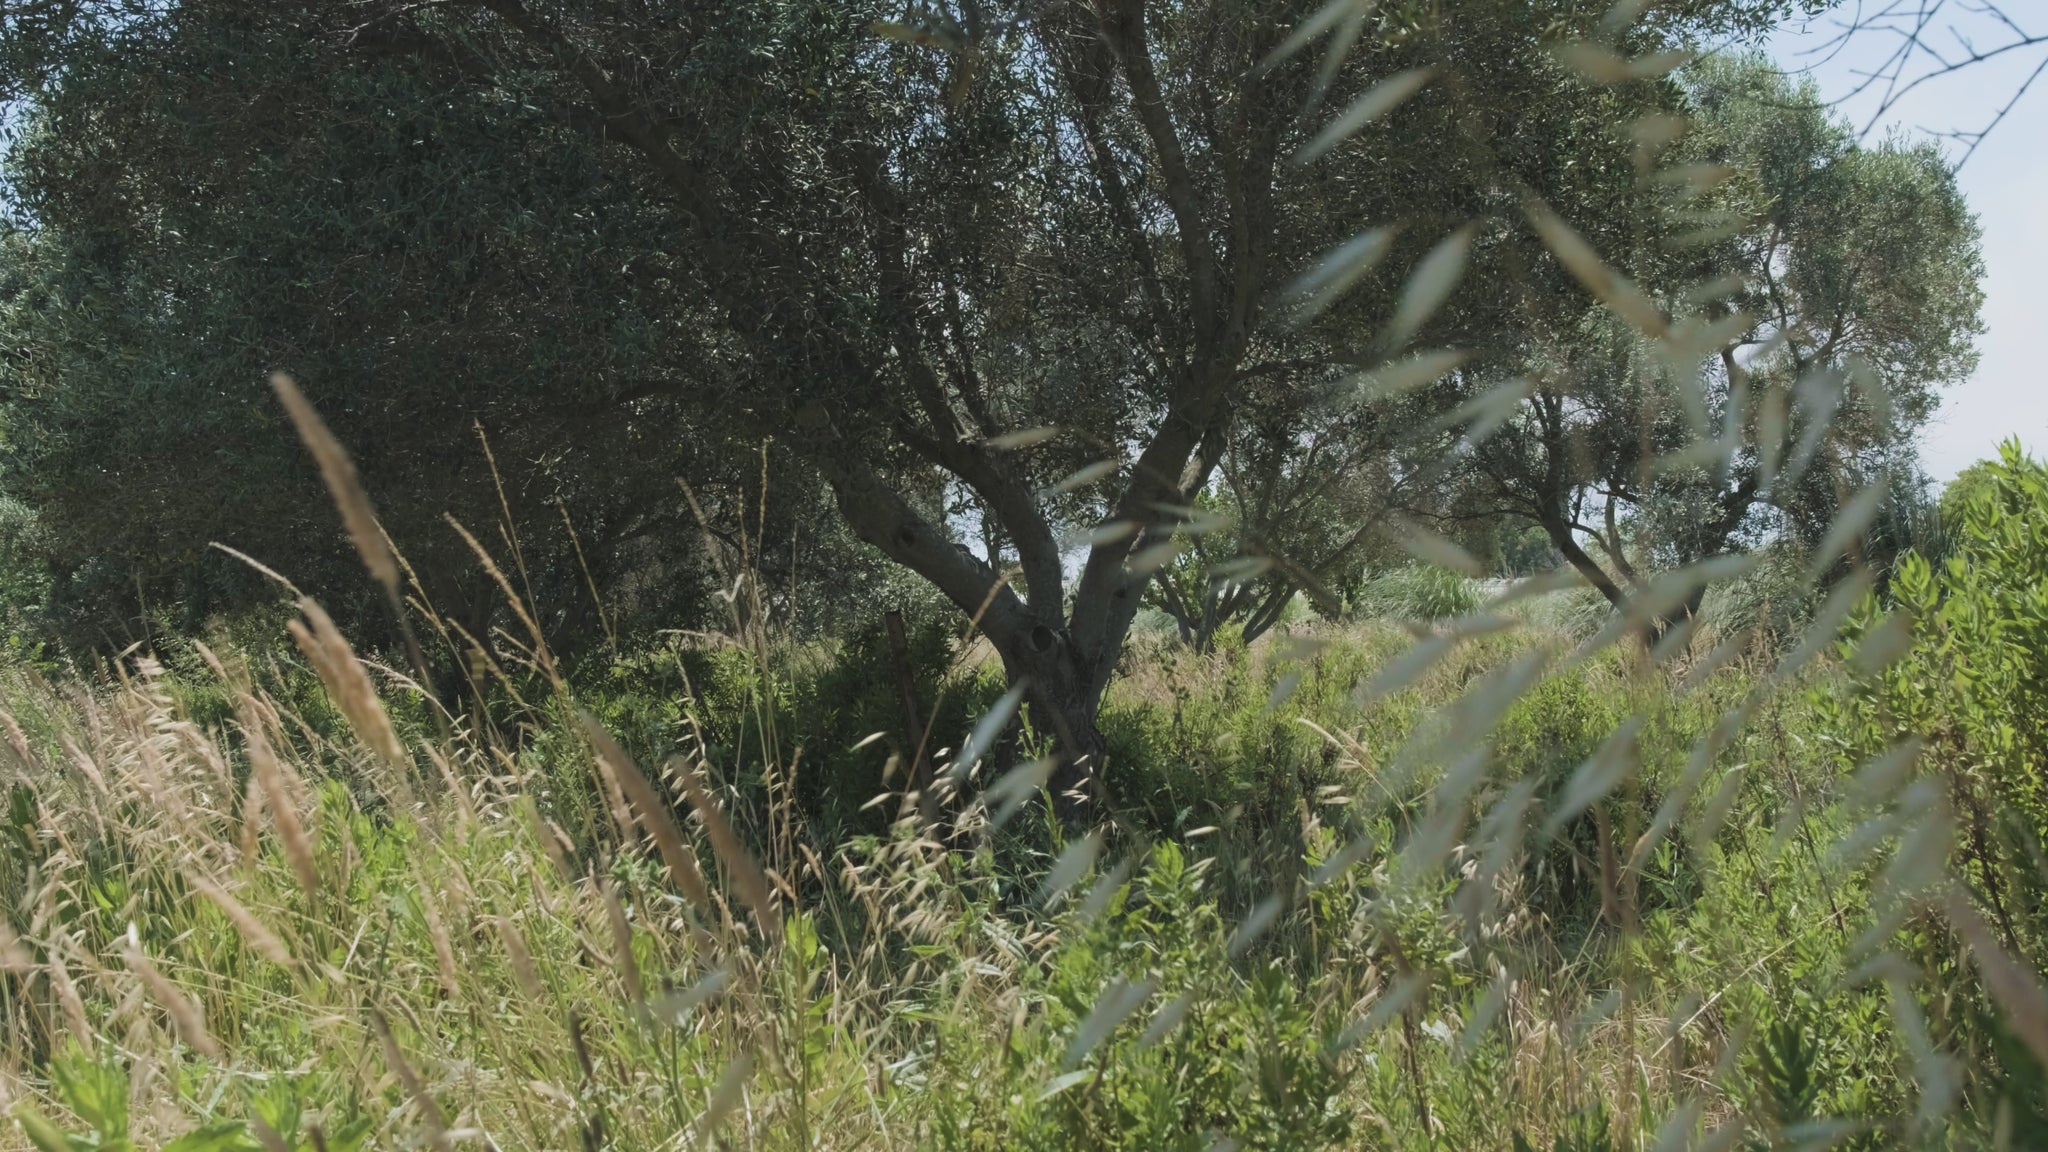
[(1042, 639)]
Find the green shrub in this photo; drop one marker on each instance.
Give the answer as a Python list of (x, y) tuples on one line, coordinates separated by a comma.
[(927, 991), (97, 1091), (1247, 1061), (1974, 682)]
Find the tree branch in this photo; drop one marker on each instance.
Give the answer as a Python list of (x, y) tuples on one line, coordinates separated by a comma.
[(1123, 26)]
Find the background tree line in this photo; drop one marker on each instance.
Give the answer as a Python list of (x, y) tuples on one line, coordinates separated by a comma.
[(1063, 308)]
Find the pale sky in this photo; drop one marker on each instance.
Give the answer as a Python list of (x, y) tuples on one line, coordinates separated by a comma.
[(2006, 182)]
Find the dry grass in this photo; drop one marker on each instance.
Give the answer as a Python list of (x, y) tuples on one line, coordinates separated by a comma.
[(437, 960), (397, 932)]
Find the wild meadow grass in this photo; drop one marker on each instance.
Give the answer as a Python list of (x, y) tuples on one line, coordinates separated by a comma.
[(1459, 877), (1746, 852), (265, 915)]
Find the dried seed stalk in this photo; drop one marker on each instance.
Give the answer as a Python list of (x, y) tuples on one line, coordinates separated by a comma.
[(67, 991), (522, 959), (270, 774), (430, 1113), (348, 685), (622, 942), (16, 740), (183, 1012), (437, 931), (746, 873), (682, 865), (255, 933), (358, 516)]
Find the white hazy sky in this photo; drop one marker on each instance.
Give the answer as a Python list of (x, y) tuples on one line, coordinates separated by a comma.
[(2006, 182)]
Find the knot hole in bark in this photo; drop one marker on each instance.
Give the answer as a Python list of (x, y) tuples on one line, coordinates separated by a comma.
[(1042, 639)]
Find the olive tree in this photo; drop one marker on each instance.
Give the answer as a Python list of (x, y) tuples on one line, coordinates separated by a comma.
[(1023, 259), (1822, 293)]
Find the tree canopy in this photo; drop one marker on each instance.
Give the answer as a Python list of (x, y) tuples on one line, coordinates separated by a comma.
[(1068, 278), (1844, 295), (211, 195)]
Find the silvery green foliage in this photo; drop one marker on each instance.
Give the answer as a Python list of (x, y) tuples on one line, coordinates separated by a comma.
[(1605, 870)]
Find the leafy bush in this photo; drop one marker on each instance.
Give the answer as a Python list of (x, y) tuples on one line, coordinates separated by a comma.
[(1146, 1036), (97, 1092), (1974, 682)]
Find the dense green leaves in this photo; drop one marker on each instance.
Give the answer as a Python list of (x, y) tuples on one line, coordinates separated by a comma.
[(1820, 293), (208, 197), (883, 250), (1976, 679)]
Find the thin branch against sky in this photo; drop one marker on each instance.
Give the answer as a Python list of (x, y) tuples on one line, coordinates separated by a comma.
[(1965, 74), (1892, 48)]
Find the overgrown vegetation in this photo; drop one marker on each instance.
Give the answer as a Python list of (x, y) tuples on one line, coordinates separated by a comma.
[(1033, 305), (1670, 902), (1142, 574)]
